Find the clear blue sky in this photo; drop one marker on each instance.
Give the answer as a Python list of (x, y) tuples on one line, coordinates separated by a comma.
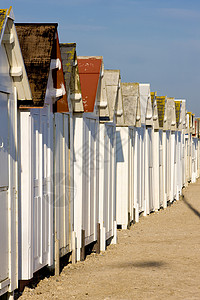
[(156, 41)]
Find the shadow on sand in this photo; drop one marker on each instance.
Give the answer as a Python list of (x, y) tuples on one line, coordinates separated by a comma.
[(141, 264), (195, 211)]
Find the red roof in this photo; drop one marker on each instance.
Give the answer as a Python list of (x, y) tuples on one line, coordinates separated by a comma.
[(89, 73)]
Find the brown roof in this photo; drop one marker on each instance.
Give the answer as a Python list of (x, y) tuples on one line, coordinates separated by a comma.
[(37, 42)]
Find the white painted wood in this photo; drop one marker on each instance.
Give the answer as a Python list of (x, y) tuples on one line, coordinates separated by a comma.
[(16, 71), (122, 147), (78, 180), (25, 192), (9, 155), (63, 182), (90, 174), (131, 142), (36, 214), (172, 162), (156, 188), (161, 185), (164, 169), (136, 174)]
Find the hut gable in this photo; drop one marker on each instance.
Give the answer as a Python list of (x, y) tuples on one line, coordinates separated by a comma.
[(39, 44), (68, 53), (161, 110), (183, 114), (71, 75), (114, 97), (130, 94), (3, 17), (154, 110), (11, 58), (171, 113), (178, 104), (145, 104), (90, 73), (103, 105)]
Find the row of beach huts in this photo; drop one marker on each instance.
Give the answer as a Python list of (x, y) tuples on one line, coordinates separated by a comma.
[(81, 153)]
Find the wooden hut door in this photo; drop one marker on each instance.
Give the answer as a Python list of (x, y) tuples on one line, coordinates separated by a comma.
[(108, 179), (36, 160), (45, 193), (161, 192), (89, 180), (4, 183), (150, 163)]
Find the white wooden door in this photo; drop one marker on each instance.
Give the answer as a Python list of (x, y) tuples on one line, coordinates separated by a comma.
[(45, 192), (131, 173), (41, 193), (4, 185), (63, 184), (161, 194), (142, 167), (37, 201), (150, 152), (109, 179), (89, 217)]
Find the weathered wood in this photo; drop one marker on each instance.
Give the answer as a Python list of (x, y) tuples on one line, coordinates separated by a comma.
[(97, 244), (73, 247), (133, 215), (83, 246), (57, 256), (129, 221)]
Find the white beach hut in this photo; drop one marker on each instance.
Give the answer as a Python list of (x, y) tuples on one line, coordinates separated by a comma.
[(14, 87)]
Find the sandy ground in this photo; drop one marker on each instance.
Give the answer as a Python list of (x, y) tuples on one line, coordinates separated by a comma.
[(158, 258)]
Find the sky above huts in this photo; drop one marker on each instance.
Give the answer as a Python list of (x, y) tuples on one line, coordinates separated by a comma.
[(150, 41)]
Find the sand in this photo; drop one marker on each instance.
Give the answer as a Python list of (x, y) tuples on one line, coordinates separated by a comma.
[(158, 258)]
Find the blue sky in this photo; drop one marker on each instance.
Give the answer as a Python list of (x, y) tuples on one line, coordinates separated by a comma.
[(156, 41)]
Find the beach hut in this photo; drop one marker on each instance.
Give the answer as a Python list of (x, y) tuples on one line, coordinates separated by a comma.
[(171, 120), (153, 162), (128, 157), (86, 155), (14, 87), (198, 146), (69, 119), (146, 146), (188, 145), (164, 152), (194, 149), (158, 153), (180, 145), (111, 113), (40, 180)]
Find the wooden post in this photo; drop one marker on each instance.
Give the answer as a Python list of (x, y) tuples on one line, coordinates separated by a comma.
[(83, 246), (129, 221), (133, 215), (97, 244), (57, 256), (73, 247)]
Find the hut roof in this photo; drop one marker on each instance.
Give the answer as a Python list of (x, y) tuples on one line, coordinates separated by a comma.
[(89, 72), (161, 109), (71, 75), (68, 53), (113, 90), (38, 43), (130, 93), (178, 111)]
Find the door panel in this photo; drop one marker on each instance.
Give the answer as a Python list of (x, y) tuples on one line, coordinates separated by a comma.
[(4, 183)]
